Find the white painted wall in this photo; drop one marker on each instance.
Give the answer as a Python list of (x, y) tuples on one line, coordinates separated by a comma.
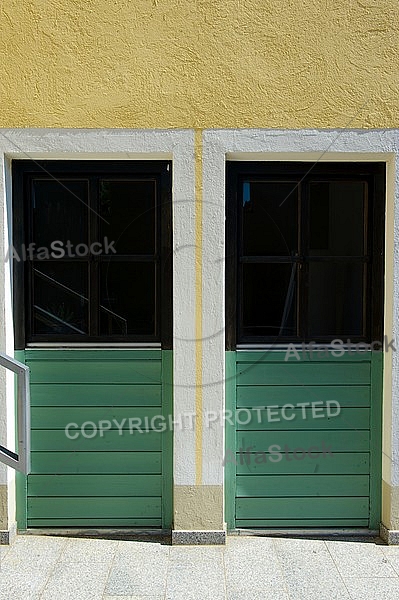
[(218, 145)]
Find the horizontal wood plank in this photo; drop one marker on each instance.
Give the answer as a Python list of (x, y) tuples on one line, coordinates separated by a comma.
[(304, 374), (299, 523), (302, 485), (96, 522), (53, 440), (118, 418), (274, 355), (85, 508), (321, 418), (75, 394), (340, 463), (95, 371), (266, 395), (87, 354), (303, 508), (96, 462), (338, 441), (94, 485)]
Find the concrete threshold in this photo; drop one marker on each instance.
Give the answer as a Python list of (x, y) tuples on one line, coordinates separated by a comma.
[(162, 536), (344, 534)]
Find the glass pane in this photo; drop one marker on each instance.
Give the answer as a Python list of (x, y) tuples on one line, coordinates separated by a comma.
[(270, 218), (127, 298), (336, 218), (335, 299), (60, 298), (129, 209), (59, 212), (269, 299)]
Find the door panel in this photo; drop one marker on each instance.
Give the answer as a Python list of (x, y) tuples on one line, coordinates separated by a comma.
[(304, 270), (121, 477), (302, 471)]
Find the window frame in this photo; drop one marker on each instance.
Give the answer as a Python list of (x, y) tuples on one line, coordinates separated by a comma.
[(303, 173), (23, 174)]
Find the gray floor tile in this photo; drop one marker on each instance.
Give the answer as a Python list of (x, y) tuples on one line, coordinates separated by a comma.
[(196, 572), (138, 569), (376, 588), (316, 588), (3, 552), (18, 585), (194, 593), (89, 551), (50, 568), (293, 547), (133, 597), (27, 565), (301, 558), (142, 551), (200, 581), (195, 554), (34, 553), (252, 564), (76, 580), (392, 554), (270, 593), (356, 559), (137, 578)]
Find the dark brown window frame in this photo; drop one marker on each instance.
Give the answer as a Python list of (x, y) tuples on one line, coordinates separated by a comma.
[(303, 173), (23, 173)]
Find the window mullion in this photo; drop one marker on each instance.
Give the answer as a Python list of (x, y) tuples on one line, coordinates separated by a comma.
[(93, 263), (303, 271)]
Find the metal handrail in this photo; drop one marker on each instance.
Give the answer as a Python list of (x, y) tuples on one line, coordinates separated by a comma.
[(20, 461)]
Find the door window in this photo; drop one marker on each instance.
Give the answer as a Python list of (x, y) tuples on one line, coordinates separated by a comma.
[(304, 252), (91, 251)]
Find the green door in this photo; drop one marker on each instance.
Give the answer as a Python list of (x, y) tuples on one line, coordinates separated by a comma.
[(304, 378), (92, 303)]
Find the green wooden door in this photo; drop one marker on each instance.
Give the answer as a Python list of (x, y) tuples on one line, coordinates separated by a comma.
[(95, 282), (333, 410), (304, 270), (116, 476)]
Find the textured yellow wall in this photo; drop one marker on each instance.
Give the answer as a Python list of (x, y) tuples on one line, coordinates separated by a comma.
[(199, 63)]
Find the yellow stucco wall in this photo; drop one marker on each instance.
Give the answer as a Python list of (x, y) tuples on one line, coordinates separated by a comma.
[(199, 63)]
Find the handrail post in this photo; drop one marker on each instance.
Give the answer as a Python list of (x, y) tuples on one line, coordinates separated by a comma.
[(21, 460)]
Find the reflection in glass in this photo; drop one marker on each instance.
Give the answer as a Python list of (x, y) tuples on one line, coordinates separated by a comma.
[(60, 303)]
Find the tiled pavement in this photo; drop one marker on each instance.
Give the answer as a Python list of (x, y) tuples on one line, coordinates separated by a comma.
[(57, 568)]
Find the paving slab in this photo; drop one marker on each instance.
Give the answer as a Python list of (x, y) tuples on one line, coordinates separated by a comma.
[(196, 572), (373, 588), (138, 569), (76, 580), (252, 564), (87, 551), (354, 559), (316, 588), (392, 554), (305, 558), (39, 567), (27, 566)]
